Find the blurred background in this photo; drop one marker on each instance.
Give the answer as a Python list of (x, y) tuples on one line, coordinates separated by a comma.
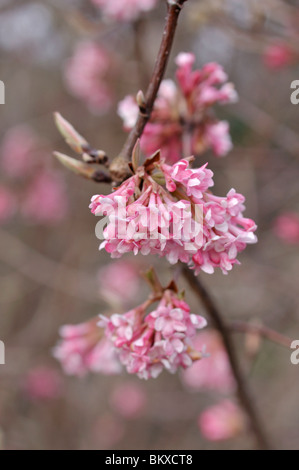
[(65, 55)]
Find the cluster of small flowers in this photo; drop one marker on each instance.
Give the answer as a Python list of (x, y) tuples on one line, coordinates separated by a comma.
[(42, 383), (119, 282), (286, 227), (118, 10), (161, 339), (86, 76), (214, 373), (279, 55), (144, 343), (222, 421), (128, 399), (188, 222), (84, 348), (42, 196), (181, 119)]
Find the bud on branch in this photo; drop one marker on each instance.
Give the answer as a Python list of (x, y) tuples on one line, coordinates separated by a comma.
[(82, 169)]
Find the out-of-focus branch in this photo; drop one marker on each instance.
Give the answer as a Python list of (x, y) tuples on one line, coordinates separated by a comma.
[(45, 271), (119, 167), (244, 395), (260, 330), (264, 124)]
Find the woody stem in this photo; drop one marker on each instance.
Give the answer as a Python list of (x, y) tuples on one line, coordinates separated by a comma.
[(174, 9), (244, 395)]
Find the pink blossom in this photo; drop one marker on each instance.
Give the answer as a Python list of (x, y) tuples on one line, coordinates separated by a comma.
[(119, 282), (86, 75), (42, 383), (128, 399), (45, 199), (181, 119), (286, 227), (222, 421), (278, 56), (218, 138), (183, 221), (147, 344), (7, 204), (84, 348), (19, 151), (143, 223), (120, 10), (214, 373), (128, 110)]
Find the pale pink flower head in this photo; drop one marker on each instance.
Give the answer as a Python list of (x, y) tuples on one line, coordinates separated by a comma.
[(45, 199), (84, 348), (42, 383), (181, 120), (119, 282), (176, 216), (86, 75), (148, 343), (222, 421), (214, 373), (8, 204), (218, 138), (128, 399), (19, 151), (128, 111), (278, 56), (124, 11), (286, 227)]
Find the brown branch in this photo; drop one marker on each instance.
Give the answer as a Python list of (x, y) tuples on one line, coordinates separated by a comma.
[(243, 392), (45, 271), (265, 125), (119, 167), (262, 331)]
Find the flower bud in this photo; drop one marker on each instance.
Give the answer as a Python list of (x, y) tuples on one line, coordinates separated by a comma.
[(71, 136), (76, 166)]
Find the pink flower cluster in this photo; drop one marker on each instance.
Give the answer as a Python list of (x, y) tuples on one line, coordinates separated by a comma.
[(279, 55), (119, 282), (147, 344), (128, 399), (120, 10), (86, 76), (84, 348), (222, 421), (286, 227), (183, 221), (182, 121), (214, 373), (41, 198), (144, 343), (42, 383), (20, 149), (45, 201)]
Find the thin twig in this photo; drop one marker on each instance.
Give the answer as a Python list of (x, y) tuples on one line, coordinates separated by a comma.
[(119, 167), (262, 331), (243, 392), (265, 125), (45, 271), (158, 73)]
